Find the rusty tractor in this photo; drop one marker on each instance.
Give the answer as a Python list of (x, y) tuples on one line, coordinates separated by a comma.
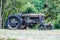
[(23, 21)]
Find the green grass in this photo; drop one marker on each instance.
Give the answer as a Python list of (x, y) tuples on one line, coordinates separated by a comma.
[(8, 39)]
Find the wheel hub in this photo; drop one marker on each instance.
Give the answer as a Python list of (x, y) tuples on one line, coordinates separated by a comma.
[(13, 22)]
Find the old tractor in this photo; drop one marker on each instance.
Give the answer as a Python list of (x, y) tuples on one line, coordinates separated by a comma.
[(23, 21)]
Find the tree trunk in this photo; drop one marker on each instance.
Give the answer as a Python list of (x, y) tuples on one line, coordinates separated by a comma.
[(0, 15)]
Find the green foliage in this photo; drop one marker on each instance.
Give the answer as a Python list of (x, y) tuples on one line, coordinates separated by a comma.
[(38, 4), (52, 12), (13, 7), (0, 2), (51, 8), (57, 25), (17, 6), (11, 39), (35, 26)]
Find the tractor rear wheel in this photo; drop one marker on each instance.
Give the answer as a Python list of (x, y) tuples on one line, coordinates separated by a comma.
[(13, 22)]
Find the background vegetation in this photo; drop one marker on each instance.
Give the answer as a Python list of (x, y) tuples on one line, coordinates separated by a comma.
[(51, 9)]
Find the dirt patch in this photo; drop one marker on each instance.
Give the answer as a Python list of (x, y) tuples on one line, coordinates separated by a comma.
[(29, 34)]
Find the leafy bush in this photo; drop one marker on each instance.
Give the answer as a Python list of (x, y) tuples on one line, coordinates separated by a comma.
[(51, 9), (57, 25)]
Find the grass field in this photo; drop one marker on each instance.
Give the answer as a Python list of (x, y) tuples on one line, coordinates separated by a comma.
[(6, 34)]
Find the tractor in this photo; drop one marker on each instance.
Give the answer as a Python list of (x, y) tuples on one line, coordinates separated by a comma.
[(23, 21)]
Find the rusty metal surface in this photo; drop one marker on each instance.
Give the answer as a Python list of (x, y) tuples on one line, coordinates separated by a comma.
[(33, 15)]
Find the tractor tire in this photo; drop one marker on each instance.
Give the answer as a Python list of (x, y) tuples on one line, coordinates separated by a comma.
[(49, 27), (13, 22), (41, 27)]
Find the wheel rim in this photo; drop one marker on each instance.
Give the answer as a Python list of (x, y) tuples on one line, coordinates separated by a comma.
[(42, 27), (13, 23), (49, 27)]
